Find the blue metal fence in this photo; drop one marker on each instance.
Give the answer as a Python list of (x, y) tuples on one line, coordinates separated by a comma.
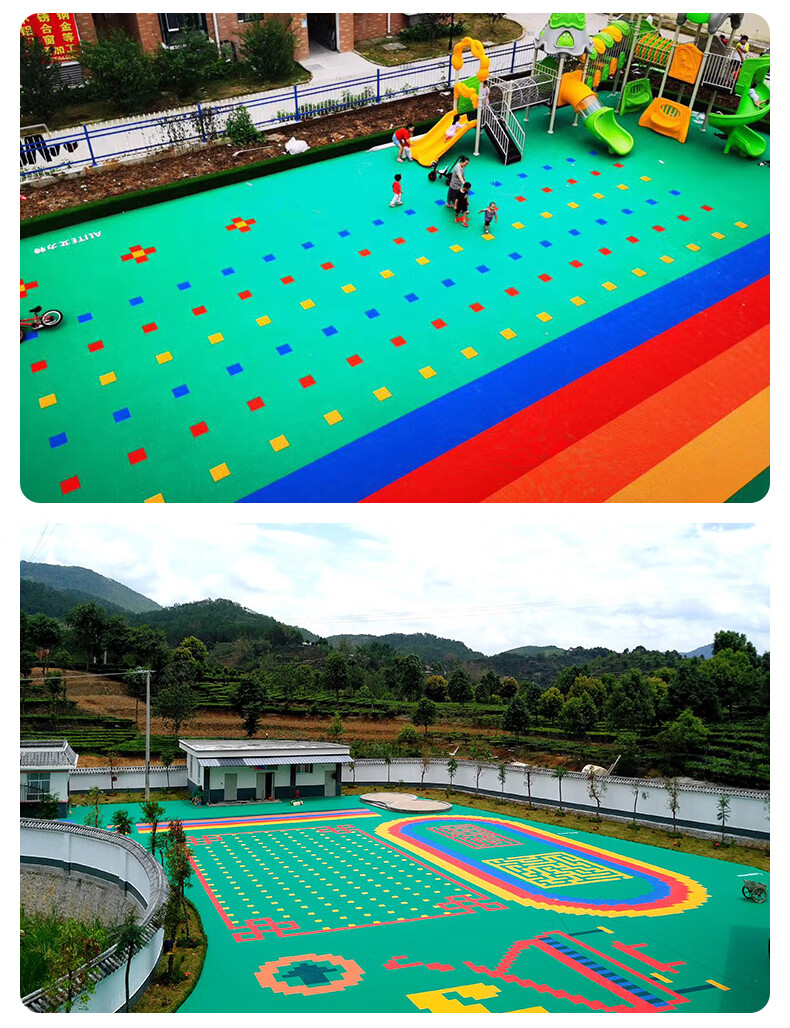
[(94, 145)]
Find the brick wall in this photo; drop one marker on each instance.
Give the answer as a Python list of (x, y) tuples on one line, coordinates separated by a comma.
[(369, 26), (231, 28), (346, 40), (149, 30), (86, 28)]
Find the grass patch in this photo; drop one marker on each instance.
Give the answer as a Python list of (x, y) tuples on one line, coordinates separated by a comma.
[(130, 796), (756, 855), (478, 27), (162, 997)]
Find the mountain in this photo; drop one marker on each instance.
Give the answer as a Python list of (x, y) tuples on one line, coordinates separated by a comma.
[(429, 648), (701, 651), (220, 621), (87, 584), (35, 598)]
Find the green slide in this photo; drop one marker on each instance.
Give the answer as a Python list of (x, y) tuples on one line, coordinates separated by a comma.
[(739, 136), (604, 126)]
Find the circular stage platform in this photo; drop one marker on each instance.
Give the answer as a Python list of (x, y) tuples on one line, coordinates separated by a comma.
[(405, 802)]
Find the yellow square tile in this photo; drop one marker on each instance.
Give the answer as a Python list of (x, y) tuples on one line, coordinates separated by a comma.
[(741, 224), (508, 333), (609, 285), (155, 499), (280, 443), (423, 260), (456, 248), (163, 358), (216, 338), (638, 272), (108, 378), (469, 352), (546, 214), (48, 401), (667, 259), (573, 206), (645, 178), (487, 235), (387, 273), (692, 246), (219, 472), (333, 417), (622, 186), (578, 300), (427, 371), (307, 304), (382, 394), (518, 224), (349, 288), (598, 196), (265, 320), (543, 316), (718, 235)]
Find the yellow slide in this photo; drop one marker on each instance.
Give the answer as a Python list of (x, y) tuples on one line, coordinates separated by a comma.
[(433, 144)]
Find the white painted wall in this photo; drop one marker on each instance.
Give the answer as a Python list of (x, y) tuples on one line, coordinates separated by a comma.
[(697, 805), (58, 783), (84, 779)]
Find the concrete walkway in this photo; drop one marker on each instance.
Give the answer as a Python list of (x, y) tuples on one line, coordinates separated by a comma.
[(331, 66)]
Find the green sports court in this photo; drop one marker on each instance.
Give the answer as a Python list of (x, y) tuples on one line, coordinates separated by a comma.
[(293, 338), (337, 906)]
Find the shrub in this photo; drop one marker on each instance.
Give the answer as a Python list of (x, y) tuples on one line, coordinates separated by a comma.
[(430, 27), (409, 738), (189, 65), (121, 71), (40, 92), (267, 47), (240, 130)]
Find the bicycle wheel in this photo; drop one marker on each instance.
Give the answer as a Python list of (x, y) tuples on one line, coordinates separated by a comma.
[(50, 318)]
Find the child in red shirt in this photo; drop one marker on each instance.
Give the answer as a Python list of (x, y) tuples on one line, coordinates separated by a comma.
[(462, 206), (397, 193)]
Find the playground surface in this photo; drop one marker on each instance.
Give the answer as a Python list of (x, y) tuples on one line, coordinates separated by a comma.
[(340, 907), (292, 338)]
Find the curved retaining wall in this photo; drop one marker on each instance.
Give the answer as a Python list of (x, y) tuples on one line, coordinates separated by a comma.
[(115, 860), (697, 804)]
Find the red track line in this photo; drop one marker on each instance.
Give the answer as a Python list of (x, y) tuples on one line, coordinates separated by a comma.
[(487, 462)]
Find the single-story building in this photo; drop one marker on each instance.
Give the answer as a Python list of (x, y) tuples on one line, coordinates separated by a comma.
[(239, 770), (44, 769)]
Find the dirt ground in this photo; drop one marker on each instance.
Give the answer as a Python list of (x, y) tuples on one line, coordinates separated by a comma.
[(115, 179)]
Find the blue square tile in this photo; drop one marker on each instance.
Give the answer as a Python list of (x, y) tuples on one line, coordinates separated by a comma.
[(447, 282), (184, 285), (675, 192), (269, 257), (372, 313), (58, 440), (574, 232), (410, 211), (228, 271), (652, 202), (135, 301), (547, 167), (330, 330), (627, 211), (343, 233), (593, 153), (308, 246), (514, 256), (378, 221), (30, 334), (601, 221), (482, 269), (571, 160), (411, 297), (496, 183), (84, 317), (440, 203), (285, 348), (124, 415), (523, 174), (546, 243), (181, 390), (234, 369)]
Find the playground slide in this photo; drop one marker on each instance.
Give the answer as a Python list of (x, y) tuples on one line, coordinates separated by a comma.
[(433, 144), (598, 120), (739, 135)]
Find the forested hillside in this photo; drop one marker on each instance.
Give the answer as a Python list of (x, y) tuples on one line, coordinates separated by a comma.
[(89, 583)]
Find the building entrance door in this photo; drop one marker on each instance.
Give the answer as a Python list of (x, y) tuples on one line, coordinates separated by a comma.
[(321, 29), (230, 787)]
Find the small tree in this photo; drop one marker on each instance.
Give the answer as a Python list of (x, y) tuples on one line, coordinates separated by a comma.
[(78, 944), (47, 807), (425, 713), (239, 128), (122, 822), (409, 737), (129, 937), (152, 814), (112, 756), (635, 790), (723, 812), (94, 817), (559, 773), (502, 776), (268, 48), (672, 786), (516, 717), (596, 787), (452, 768), (481, 755), (335, 729), (188, 66), (388, 762), (528, 782), (425, 763), (121, 71), (175, 705), (167, 756), (40, 92), (179, 868)]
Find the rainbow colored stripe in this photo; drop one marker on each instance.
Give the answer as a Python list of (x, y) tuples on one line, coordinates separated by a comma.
[(574, 420), (663, 892), (260, 820)]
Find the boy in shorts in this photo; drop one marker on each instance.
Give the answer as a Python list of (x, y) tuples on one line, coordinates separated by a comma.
[(490, 213), (462, 206)]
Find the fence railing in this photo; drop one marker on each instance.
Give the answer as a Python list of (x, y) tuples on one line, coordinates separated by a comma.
[(129, 138)]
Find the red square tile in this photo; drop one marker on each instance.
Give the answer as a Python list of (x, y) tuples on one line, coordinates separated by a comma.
[(398, 341), (619, 165), (476, 307), (572, 181), (658, 228), (706, 208), (521, 199), (512, 291), (38, 366), (364, 253), (439, 323), (604, 251), (356, 359), (150, 328), (399, 240), (307, 381), (595, 173), (632, 239), (98, 345), (682, 217), (327, 266), (256, 404), (198, 310), (544, 277), (432, 228), (69, 485), (287, 280), (245, 295), (137, 455), (576, 264), (547, 189), (200, 429)]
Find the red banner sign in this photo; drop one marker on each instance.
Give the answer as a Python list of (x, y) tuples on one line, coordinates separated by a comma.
[(58, 33)]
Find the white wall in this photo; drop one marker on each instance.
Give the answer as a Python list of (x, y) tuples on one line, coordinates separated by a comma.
[(58, 783), (697, 804), (84, 779)]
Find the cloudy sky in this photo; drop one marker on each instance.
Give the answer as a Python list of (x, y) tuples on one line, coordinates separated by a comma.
[(493, 584)]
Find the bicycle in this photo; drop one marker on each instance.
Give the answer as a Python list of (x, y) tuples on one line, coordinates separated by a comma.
[(46, 320)]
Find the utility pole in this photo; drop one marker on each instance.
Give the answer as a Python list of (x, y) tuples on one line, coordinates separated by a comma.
[(147, 734)]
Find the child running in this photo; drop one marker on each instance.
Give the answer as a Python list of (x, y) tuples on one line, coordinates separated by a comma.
[(397, 193), (490, 213), (462, 206)]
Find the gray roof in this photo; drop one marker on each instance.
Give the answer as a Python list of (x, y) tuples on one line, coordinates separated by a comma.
[(265, 751), (46, 754), (288, 758)]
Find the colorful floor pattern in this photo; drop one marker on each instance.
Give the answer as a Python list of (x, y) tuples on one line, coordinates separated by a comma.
[(292, 338), (350, 909)]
